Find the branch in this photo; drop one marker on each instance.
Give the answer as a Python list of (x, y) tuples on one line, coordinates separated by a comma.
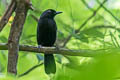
[(31, 69), (7, 15), (108, 11), (15, 33), (34, 17), (62, 51), (84, 23), (86, 4)]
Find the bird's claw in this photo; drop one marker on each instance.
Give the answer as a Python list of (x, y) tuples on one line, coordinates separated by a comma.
[(57, 48), (39, 46)]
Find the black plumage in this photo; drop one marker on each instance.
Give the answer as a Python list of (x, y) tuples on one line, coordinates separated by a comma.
[(46, 36)]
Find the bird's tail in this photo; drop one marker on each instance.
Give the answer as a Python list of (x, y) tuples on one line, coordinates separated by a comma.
[(49, 63)]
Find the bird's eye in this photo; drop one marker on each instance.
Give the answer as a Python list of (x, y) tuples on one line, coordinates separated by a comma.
[(49, 11)]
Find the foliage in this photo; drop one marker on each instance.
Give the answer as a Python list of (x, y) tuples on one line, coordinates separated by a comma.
[(100, 32)]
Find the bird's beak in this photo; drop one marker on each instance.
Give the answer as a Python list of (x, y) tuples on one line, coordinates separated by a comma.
[(58, 12)]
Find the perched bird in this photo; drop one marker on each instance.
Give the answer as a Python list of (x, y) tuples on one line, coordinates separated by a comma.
[(46, 36)]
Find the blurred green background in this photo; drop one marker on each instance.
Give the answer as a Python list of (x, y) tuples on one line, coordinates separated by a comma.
[(101, 31)]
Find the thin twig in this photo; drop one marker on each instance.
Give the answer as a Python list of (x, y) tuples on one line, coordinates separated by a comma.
[(114, 40), (109, 11), (7, 15), (84, 23), (31, 69), (84, 2), (34, 17), (91, 9)]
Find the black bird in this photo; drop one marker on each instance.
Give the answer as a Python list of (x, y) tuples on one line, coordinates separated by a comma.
[(46, 36)]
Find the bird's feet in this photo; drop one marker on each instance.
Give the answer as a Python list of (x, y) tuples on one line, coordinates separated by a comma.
[(57, 47), (39, 46)]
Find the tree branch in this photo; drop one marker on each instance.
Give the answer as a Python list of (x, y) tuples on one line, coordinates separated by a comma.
[(84, 23), (86, 4), (117, 19), (34, 17), (15, 33), (7, 15), (31, 69), (62, 51)]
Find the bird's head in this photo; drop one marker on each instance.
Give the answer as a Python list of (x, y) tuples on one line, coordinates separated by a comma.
[(50, 13)]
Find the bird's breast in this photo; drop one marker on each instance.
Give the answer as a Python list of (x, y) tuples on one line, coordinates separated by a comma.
[(47, 32)]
